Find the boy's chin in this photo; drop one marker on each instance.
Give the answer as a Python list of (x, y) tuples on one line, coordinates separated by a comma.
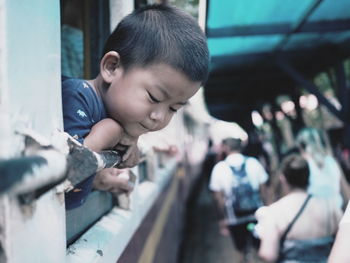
[(134, 134), (141, 133)]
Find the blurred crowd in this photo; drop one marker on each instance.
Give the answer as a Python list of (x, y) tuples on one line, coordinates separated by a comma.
[(288, 207)]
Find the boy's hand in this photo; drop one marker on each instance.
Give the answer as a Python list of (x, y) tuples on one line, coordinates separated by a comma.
[(109, 180), (131, 156)]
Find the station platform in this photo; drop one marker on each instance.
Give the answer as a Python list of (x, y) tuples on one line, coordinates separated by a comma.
[(203, 243)]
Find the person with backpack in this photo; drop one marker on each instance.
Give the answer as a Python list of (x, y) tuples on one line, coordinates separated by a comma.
[(238, 187)]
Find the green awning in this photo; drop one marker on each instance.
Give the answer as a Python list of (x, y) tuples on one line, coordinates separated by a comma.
[(245, 38)]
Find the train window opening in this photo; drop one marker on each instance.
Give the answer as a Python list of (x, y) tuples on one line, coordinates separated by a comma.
[(140, 3), (72, 38), (85, 26)]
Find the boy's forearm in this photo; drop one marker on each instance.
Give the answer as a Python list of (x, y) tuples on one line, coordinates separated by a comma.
[(103, 135), (96, 143)]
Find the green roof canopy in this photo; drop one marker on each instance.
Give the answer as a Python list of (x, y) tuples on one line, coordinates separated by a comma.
[(247, 37)]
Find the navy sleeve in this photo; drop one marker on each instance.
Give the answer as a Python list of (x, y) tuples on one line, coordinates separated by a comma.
[(77, 103), (76, 110)]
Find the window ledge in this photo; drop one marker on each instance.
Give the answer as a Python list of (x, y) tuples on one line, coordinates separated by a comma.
[(106, 240)]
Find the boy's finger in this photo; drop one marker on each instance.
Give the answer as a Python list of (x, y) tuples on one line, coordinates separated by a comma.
[(128, 152), (126, 155), (125, 187), (131, 161), (132, 150)]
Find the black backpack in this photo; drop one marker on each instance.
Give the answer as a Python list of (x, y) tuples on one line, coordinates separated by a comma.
[(245, 199)]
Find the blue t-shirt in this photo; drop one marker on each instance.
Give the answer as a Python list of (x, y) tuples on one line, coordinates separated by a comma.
[(82, 108)]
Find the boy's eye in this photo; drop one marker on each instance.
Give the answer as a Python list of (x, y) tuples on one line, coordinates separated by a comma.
[(173, 109), (153, 98)]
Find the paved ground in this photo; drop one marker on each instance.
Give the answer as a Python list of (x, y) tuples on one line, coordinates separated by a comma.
[(204, 244)]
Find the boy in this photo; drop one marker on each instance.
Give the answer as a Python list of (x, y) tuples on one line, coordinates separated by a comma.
[(153, 62)]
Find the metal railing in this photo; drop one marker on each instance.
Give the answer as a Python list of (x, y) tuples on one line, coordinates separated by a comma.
[(42, 166)]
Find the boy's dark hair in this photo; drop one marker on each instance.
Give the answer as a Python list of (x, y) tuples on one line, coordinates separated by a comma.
[(296, 171), (233, 144), (161, 34)]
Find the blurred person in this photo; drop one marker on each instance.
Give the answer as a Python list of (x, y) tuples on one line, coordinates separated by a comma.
[(255, 149), (326, 176), (340, 252), (210, 160), (299, 227), (238, 186)]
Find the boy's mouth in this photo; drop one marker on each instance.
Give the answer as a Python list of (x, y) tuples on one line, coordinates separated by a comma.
[(143, 126)]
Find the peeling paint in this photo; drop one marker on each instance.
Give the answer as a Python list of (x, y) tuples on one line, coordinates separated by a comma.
[(43, 166), (14, 170), (82, 162), (60, 197), (27, 207), (33, 173), (71, 250), (31, 100)]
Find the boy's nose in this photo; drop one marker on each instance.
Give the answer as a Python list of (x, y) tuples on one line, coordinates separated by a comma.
[(157, 116)]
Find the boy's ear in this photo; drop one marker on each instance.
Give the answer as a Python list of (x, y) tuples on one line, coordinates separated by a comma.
[(109, 65)]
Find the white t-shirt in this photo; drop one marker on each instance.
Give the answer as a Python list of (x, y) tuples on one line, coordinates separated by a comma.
[(222, 178)]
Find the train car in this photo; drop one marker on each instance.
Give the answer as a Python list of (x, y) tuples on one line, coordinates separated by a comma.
[(255, 58), (40, 42)]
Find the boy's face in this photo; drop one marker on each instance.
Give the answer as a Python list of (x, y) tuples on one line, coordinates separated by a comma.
[(145, 99)]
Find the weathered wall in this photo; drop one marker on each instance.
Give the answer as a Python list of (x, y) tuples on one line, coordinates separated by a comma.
[(30, 97)]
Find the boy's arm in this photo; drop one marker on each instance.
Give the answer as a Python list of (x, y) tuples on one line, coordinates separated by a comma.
[(104, 135)]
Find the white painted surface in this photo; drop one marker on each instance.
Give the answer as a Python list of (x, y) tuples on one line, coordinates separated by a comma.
[(33, 63), (30, 97), (107, 239), (43, 175)]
